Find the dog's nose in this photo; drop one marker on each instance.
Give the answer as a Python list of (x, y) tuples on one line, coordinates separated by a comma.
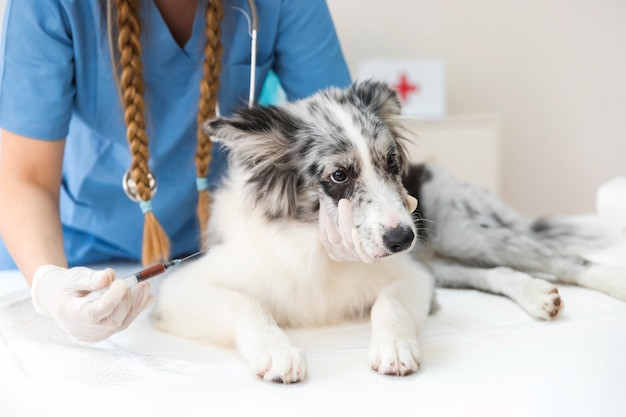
[(399, 238)]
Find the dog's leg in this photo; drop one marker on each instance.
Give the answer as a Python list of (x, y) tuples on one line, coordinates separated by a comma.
[(267, 348), (537, 297), (576, 270), (533, 256), (473, 226), (217, 315), (503, 246), (398, 313)]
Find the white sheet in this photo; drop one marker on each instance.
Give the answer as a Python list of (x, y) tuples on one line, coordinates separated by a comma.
[(483, 356)]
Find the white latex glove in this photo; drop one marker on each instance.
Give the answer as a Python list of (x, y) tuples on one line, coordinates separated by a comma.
[(60, 293), (341, 241)]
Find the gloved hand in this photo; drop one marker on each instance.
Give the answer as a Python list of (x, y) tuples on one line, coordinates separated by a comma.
[(60, 293), (341, 241)]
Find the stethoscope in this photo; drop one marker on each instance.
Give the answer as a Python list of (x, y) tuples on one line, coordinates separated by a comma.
[(129, 186), (253, 23)]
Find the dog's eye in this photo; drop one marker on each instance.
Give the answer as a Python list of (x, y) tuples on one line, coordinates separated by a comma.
[(339, 176), (392, 162)]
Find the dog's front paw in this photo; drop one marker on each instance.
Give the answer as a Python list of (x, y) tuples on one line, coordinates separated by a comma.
[(280, 363), (395, 357), (542, 300)]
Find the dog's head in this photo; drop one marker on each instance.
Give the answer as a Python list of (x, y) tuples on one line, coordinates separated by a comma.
[(335, 144)]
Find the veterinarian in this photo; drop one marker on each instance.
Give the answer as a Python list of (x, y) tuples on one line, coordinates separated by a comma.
[(96, 163)]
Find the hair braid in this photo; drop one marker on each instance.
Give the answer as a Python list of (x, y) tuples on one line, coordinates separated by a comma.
[(209, 87), (155, 241)]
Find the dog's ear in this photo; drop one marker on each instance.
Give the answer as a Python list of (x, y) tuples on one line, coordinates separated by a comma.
[(263, 141), (266, 126), (378, 97)]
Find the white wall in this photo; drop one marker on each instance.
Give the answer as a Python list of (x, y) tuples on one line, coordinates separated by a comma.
[(553, 70)]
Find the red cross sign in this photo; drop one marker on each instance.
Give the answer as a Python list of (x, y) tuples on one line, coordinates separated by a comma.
[(404, 87)]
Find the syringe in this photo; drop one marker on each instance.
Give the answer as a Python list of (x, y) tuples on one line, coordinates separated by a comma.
[(147, 273)]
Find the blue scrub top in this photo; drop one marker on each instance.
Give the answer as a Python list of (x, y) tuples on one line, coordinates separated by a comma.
[(56, 82)]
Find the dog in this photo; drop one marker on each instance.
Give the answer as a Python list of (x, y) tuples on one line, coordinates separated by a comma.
[(474, 240), (266, 269)]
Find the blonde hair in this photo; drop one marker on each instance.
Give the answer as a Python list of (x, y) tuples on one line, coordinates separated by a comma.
[(128, 72)]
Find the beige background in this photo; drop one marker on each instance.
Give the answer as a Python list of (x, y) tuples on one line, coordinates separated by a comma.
[(554, 71)]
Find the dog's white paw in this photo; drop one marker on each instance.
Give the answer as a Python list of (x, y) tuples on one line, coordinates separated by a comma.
[(281, 362), (395, 357), (541, 300)]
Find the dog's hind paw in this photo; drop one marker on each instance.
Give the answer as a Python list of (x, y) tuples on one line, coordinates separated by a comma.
[(398, 357), (542, 300), (281, 363)]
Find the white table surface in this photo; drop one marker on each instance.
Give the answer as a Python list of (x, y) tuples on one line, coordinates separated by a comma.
[(483, 356)]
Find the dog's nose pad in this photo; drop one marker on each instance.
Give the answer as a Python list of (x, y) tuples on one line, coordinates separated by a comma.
[(399, 238)]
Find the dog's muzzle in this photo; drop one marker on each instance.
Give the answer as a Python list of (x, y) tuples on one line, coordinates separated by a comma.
[(399, 238)]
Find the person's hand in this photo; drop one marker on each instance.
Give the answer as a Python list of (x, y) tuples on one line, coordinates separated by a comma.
[(341, 240), (61, 294)]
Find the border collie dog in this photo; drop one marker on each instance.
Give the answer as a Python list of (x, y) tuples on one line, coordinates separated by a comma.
[(266, 269)]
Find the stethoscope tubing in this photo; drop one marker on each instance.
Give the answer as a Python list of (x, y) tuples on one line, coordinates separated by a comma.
[(254, 28)]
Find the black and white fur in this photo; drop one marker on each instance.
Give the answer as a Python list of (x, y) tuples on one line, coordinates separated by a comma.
[(266, 268), (474, 240)]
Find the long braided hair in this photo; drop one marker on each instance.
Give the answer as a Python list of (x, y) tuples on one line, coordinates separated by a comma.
[(126, 58)]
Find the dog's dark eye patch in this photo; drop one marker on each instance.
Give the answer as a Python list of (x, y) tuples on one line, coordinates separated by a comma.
[(337, 191), (340, 184)]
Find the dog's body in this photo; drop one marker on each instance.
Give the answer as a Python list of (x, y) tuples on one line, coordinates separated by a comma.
[(474, 240), (266, 268)]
